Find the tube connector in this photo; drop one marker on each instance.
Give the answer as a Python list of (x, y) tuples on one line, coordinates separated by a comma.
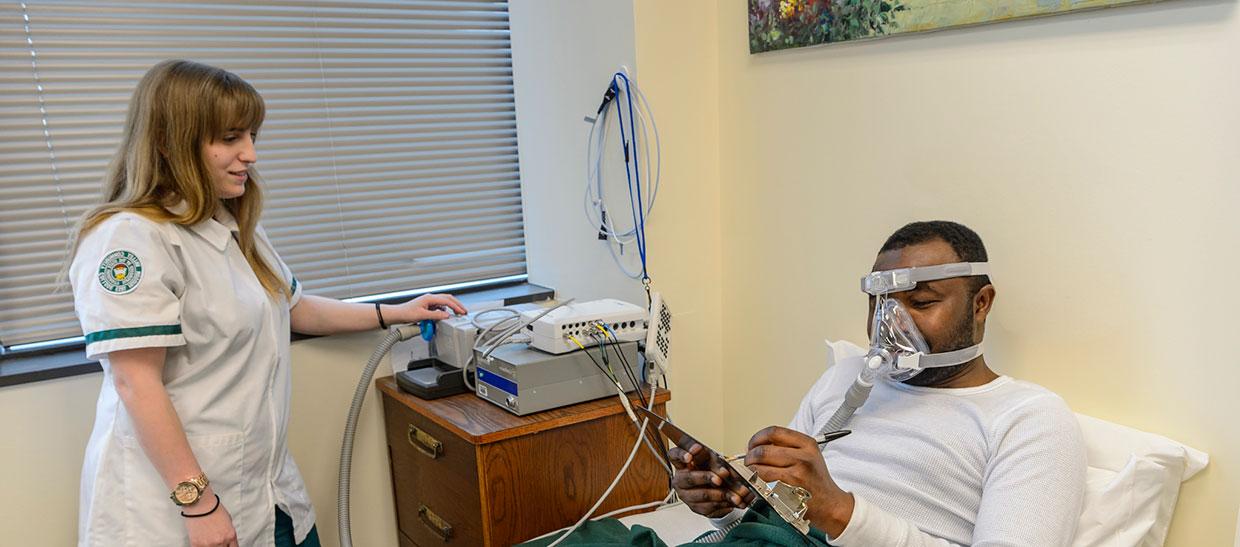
[(406, 331)]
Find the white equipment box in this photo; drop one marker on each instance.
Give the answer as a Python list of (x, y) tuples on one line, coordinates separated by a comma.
[(454, 338), (627, 323)]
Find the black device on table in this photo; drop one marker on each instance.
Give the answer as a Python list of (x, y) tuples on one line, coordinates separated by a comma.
[(431, 379)]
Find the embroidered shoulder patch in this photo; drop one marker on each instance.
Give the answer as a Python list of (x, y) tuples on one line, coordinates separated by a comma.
[(120, 272)]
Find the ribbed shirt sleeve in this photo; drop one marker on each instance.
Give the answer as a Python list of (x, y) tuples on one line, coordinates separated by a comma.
[(870, 525)]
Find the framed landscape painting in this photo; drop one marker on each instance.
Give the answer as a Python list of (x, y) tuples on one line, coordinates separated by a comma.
[(782, 24)]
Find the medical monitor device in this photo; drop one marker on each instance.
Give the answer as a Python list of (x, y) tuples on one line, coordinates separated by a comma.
[(659, 334), (523, 380), (554, 332)]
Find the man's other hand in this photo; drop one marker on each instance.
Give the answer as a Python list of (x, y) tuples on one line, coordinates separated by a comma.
[(701, 487)]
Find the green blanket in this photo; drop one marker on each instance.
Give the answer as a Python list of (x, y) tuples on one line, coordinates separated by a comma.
[(759, 526)]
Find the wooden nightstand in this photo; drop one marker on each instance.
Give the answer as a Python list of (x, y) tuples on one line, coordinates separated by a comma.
[(466, 472)]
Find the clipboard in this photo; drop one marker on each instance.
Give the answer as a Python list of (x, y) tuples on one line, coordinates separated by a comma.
[(789, 502)]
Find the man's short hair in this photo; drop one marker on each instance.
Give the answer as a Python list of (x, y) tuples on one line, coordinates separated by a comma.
[(965, 242)]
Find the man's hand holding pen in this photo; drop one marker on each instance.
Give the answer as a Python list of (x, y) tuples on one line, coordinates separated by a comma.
[(794, 458)]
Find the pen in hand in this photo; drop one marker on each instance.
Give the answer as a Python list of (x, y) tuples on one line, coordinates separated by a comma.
[(831, 436)]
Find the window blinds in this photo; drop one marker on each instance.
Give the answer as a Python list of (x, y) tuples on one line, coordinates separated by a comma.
[(389, 151)]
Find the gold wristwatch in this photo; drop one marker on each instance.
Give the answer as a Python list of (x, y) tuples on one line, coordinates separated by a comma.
[(189, 490)]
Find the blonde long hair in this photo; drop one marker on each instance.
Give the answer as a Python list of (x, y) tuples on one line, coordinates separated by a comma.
[(177, 108)]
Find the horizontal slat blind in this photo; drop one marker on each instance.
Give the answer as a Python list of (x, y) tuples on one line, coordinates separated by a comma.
[(389, 151)]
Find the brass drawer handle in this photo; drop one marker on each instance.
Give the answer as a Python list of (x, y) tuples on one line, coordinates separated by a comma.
[(426, 444), (437, 525)]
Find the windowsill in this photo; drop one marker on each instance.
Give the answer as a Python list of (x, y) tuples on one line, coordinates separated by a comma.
[(36, 367)]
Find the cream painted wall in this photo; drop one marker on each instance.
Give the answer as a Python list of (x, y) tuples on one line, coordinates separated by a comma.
[(46, 426), (678, 58), (1095, 153), (564, 53)]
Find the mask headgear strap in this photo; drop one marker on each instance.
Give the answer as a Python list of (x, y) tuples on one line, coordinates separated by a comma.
[(946, 359), (904, 279)]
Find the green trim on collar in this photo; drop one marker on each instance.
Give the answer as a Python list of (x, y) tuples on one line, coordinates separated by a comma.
[(293, 289), (131, 332)]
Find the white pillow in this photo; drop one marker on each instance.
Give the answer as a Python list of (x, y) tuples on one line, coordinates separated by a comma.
[(1131, 484)]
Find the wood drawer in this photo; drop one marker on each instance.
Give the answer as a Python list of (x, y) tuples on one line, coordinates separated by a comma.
[(566, 470), (403, 540), (499, 479), (432, 491)]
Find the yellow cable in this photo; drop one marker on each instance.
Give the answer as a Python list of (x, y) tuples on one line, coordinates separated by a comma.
[(609, 369), (583, 348), (574, 339)]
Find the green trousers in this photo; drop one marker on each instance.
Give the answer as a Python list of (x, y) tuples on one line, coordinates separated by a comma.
[(284, 533)]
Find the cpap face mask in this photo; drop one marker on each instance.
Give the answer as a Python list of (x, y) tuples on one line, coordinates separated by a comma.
[(897, 348), (898, 351)]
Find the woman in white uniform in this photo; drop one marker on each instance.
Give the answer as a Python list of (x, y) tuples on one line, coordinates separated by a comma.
[(188, 308)]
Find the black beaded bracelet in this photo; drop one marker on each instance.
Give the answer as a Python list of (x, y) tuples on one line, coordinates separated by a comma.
[(382, 324), (217, 506)]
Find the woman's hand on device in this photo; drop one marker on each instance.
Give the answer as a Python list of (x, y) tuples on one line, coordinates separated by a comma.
[(428, 306)]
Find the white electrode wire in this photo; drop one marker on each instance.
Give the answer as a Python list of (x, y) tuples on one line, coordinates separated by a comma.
[(594, 204), (643, 104), (594, 171), (657, 456), (490, 336), (671, 494), (632, 454), (665, 501), (513, 314), (615, 257), (651, 189), (608, 228), (595, 195), (481, 338), (507, 333), (504, 324)]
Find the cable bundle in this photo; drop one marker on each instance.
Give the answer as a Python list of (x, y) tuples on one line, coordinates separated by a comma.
[(635, 121)]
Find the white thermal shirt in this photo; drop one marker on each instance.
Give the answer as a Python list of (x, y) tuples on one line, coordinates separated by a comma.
[(1002, 464)]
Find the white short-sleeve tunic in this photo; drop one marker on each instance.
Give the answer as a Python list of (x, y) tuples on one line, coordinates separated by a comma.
[(140, 283)]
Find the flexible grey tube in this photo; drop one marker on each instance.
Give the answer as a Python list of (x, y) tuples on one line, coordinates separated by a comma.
[(397, 334), (856, 395)]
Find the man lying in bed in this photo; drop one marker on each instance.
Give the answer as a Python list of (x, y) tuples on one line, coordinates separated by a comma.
[(955, 455)]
